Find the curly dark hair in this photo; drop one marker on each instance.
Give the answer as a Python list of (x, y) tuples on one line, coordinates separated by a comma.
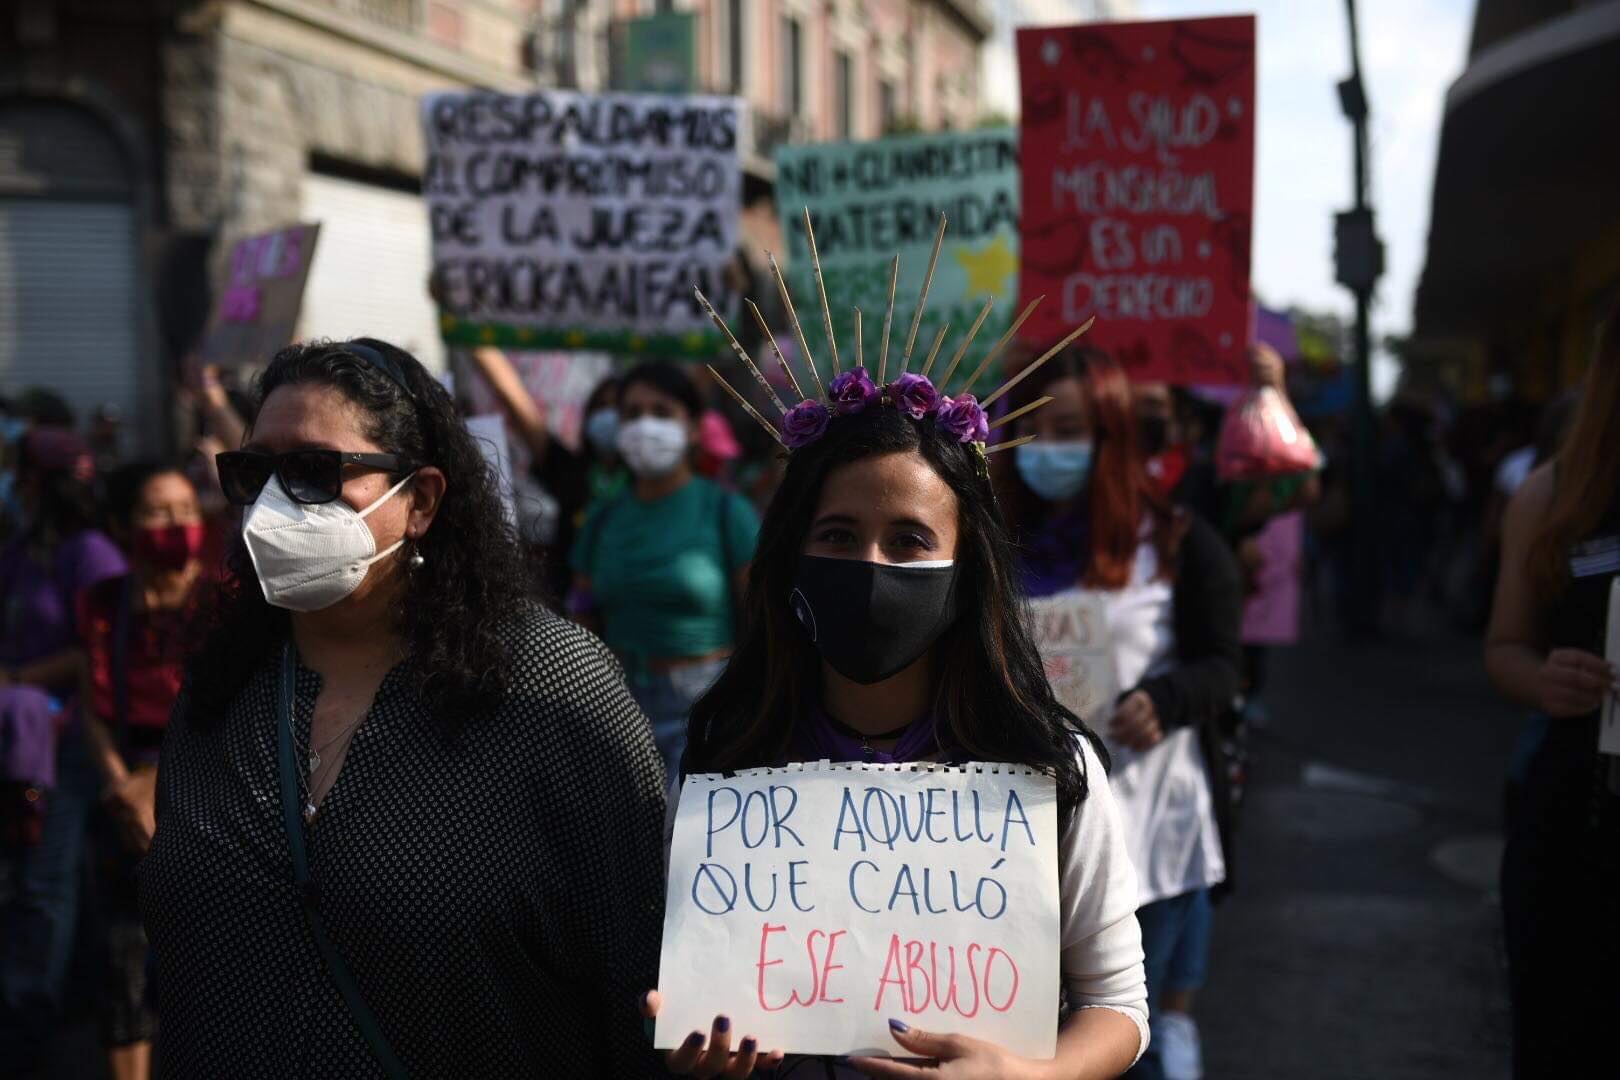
[(456, 608), (994, 698)]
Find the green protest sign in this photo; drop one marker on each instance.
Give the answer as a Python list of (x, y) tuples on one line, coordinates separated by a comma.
[(869, 201)]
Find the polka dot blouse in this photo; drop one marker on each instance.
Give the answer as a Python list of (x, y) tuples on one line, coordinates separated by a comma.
[(498, 897)]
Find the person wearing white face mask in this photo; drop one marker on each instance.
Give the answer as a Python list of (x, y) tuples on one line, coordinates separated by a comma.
[(659, 570), (1093, 529), (388, 780)]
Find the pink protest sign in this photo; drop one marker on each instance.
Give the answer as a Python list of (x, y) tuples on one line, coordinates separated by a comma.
[(256, 310)]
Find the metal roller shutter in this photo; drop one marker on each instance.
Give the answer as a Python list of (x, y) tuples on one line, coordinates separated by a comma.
[(68, 319), (371, 267)]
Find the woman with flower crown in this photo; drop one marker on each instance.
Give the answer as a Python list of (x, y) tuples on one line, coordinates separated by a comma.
[(884, 623)]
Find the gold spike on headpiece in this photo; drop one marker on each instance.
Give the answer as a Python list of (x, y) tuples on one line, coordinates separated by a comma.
[(995, 350), (996, 449), (736, 347), (1030, 370), (793, 321), (1018, 414), (821, 287), (922, 300), (939, 339), (749, 409), (888, 323), (961, 350), (776, 350), (860, 341)]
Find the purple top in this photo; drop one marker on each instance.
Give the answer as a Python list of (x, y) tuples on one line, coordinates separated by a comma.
[(38, 604), (819, 739), (1056, 552)]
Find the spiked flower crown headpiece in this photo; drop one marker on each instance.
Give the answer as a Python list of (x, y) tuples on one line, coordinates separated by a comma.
[(961, 415)]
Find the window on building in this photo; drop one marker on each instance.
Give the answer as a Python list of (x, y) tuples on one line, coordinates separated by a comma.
[(846, 96), (792, 66), (734, 26), (889, 103)]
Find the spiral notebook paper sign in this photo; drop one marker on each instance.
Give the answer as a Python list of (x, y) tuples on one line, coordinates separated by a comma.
[(815, 894)]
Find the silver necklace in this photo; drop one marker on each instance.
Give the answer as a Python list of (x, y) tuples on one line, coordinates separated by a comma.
[(308, 782)]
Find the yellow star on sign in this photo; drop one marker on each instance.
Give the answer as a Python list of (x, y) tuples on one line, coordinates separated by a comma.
[(525, 334), (989, 268), (447, 322), (487, 335), (576, 338)]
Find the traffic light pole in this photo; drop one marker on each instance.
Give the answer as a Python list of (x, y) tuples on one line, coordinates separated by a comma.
[(1359, 256)]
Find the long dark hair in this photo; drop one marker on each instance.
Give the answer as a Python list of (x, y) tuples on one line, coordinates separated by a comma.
[(1119, 493), (994, 700), (1588, 464), (456, 609)]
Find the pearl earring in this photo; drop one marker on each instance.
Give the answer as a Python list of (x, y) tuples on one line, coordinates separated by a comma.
[(416, 559)]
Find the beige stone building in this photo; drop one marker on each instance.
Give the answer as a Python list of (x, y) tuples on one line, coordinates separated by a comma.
[(138, 138)]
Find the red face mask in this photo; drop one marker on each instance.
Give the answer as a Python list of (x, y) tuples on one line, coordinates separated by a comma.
[(168, 547), (1167, 469)]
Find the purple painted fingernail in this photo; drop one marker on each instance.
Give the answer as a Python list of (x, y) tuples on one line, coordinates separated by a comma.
[(695, 1039), (748, 1045), (722, 1024), (899, 1025)]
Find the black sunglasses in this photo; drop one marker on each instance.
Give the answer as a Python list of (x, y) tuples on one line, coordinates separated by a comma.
[(308, 476)]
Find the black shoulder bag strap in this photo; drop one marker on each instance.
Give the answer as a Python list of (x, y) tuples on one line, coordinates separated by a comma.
[(308, 892)]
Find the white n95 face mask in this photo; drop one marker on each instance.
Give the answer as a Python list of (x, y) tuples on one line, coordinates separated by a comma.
[(652, 445), (309, 557)]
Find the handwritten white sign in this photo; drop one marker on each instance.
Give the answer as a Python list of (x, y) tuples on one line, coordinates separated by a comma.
[(813, 903), (1071, 632), (571, 220)]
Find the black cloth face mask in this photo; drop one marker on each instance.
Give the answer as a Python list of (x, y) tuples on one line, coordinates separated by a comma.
[(873, 620)]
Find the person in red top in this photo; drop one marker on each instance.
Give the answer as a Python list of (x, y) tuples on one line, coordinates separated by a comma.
[(133, 629)]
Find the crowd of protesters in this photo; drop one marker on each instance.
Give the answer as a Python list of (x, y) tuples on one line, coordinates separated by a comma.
[(333, 549)]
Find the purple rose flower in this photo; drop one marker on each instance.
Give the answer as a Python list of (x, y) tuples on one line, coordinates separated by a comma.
[(853, 391), (963, 418), (804, 423), (913, 395)]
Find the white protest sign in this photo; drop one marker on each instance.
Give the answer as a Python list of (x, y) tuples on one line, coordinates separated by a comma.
[(1609, 732), (813, 903), (570, 220), (1071, 632)]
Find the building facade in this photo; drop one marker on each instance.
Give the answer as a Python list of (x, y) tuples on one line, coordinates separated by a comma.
[(1524, 236), (140, 138)]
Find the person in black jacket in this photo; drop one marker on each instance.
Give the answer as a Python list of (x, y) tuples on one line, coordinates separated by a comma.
[(1096, 532)]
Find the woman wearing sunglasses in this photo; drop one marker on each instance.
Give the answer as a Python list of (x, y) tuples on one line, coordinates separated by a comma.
[(388, 788)]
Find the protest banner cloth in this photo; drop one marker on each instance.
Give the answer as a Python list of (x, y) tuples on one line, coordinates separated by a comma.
[(256, 312), (812, 903), (869, 201), (1077, 650), (583, 221), (1137, 144)]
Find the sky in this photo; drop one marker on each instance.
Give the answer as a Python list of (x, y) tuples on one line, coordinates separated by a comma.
[(1411, 50)]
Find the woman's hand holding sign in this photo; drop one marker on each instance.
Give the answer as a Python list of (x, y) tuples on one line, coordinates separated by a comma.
[(1136, 722), (952, 1057), (710, 1057)]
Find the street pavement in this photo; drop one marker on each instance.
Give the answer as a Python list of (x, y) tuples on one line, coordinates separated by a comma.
[(1363, 936)]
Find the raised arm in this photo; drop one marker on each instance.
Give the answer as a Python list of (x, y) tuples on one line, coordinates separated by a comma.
[(520, 407)]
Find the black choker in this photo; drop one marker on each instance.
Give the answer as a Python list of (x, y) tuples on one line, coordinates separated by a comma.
[(845, 729)]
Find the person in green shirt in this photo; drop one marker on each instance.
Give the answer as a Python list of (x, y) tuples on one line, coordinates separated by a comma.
[(659, 570)]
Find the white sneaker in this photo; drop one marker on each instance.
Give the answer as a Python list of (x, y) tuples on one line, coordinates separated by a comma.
[(1176, 1035)]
